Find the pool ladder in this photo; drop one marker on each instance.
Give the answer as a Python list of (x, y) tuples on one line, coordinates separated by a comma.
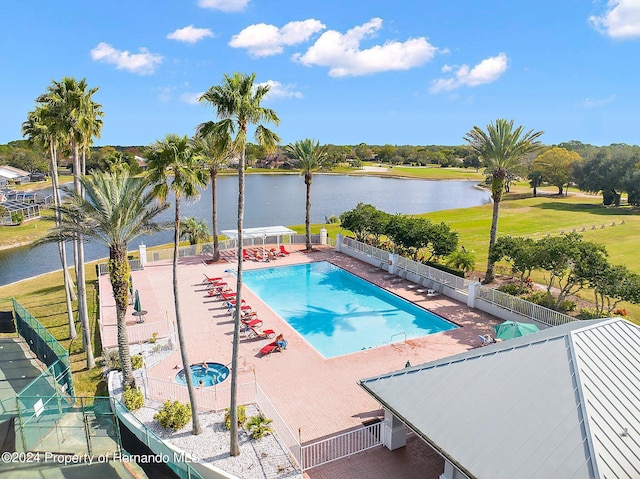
[(398, 334)]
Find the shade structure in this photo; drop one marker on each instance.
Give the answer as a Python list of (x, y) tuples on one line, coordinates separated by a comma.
[(136, 302), (514, 329)]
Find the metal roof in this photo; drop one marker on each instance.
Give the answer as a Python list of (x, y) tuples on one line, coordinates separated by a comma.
[(563, 402), (259, 232)]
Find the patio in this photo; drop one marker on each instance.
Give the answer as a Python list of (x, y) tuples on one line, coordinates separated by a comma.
[(327, 399)]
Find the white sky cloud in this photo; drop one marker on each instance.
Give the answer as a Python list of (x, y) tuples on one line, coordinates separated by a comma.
[(342, 54), (487, 71), (278, 90), (224, 5), (262, 39), (191, 98), (598, 102), (190, 34), (621, 20), (143, 63)]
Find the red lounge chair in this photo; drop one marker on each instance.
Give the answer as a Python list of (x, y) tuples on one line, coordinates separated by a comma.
[(254, 332), (283, 252), (268, 349), (210, 280), (245, 255), (230, 297), (251, 322), (220, 290)]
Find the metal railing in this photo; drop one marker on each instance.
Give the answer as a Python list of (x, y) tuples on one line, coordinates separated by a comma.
[(214, 398), (371, 251), (340, 446), (134, 265), (524, 308)]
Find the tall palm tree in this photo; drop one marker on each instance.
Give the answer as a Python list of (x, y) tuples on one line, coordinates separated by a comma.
[(502, 148), (118, 208), (237, 102), (311, 157), (173, 166), (78, 116), (40, 129), (216, 152)]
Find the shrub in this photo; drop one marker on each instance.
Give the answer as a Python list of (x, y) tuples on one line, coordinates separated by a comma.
[(173, 415), (512, 288), (154, 338), (136, 361), (258, 426), (133, 398), (567, 306), (444, 268), (333, 219), (588, 313), (17, 218), (111, 360), (242, 416)]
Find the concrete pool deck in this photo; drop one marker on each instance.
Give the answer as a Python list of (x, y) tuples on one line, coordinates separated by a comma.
[(316, 397)]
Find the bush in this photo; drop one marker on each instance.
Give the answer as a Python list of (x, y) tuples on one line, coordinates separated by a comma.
[(444, 268), (258, 426), (133, 398), (538, 297), (588, 313), (154, 338), (333, 219), (17, 218), (567, 306), (111, 360), (512, 288), (242, 416), (173, 415), (136, 361)]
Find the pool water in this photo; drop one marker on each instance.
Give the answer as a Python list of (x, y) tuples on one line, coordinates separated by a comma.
[(214, 373), (337, 312)]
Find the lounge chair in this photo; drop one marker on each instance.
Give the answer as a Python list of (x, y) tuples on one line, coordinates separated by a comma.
[(251, 322), (283, 252), (269, 348), (208, 280), (378, 269), (245, 255), (486, 339), (253, 332), (219, 290)]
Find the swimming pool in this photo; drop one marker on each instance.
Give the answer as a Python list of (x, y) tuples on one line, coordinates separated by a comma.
[(337, 312)]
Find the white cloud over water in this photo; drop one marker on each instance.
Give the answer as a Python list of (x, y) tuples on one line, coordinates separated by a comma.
[(263, 40), (621, 20), (341, 52), (143, 63), (487, 71), (224, 5), (190, 34)]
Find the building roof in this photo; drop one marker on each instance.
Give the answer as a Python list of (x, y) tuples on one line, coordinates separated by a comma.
[(563, 402), (259, 232), (12, 173)]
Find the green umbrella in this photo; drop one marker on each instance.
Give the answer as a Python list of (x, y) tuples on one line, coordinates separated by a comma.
[(130, 288), (513, 329), (136, 304)]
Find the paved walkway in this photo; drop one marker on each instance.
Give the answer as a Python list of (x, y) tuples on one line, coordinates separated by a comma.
[(316, 397)]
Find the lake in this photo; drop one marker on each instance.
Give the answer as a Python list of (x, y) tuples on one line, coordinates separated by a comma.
[(272, 200)]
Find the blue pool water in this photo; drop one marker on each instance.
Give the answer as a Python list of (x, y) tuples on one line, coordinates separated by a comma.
[(337, 312), (215, 373)]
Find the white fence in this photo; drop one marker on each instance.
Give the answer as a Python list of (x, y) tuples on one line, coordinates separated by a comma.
[(136, 333), (524, 308), (376, 253), (213, 398), (340, 446)]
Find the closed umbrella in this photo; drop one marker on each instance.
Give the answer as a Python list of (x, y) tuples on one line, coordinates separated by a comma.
[(130, 287), (136, 303), (514, 329)]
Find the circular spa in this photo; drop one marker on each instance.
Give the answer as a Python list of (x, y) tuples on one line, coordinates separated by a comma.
[(213, 374)]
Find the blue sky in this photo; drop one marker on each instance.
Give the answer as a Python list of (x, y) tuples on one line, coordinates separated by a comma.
[(343, 72)]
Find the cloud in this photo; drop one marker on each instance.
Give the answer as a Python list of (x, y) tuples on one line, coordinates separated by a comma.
[(278, 90), (597, 102), (487, 71), (191, 98), (342, 54), (143, 63), (264, 40), (190, 34), (224, 5), (621, 20)]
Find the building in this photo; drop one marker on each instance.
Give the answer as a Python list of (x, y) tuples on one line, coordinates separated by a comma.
[(563, 402), (14, 175)]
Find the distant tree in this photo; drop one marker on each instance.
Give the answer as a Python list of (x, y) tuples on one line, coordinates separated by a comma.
[(612, 285), (501, 148), (556, 166), (363, 151), (386, 152), (194, 230), (416, 235), (606, 173), (535, 180)]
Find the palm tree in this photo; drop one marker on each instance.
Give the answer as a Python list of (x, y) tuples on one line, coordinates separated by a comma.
[(311, 157), (238, 104), (194, 230), (117, 209), (173, 166), (40, 128), (502, 149), (216, 153), (78, 119)]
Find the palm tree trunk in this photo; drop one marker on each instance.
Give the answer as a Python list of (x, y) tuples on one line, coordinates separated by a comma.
[(214, 215), (307, 220), (234, 448), (68, 288), (119, 276), (195, 420), (489, 277)]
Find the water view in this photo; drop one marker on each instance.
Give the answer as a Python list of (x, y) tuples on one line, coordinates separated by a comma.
[(275, 200)]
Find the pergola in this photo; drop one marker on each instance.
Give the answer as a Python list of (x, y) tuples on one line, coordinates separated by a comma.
[(263, 233)]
